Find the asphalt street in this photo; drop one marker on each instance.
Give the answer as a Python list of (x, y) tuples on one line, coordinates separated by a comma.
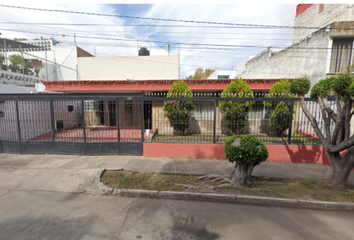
[(57, 215), (55, 197)]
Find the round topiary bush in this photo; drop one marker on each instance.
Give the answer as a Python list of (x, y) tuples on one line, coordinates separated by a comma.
[(247, 152), (300, 86)]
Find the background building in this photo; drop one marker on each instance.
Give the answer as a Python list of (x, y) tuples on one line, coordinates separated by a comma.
[(316, 52), (129, 68)]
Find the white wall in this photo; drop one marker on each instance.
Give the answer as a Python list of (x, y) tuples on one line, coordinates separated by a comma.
[(308, 58), (216, 73), (312, 18), (59, 55), (241, 67), (123, 68)]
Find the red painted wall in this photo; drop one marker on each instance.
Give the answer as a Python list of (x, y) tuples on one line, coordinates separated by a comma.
[(302, 8), (150, 85), (277, 153)]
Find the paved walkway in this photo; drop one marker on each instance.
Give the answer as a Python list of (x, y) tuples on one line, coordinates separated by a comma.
[(38, 201), (76, 174)]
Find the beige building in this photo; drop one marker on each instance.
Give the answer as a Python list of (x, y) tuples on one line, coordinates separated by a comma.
[(129, 68)]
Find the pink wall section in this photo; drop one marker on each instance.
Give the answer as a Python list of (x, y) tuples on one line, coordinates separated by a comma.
[(277, 153)]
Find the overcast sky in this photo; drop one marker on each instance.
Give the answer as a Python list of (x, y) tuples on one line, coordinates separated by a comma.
[(201, 45)]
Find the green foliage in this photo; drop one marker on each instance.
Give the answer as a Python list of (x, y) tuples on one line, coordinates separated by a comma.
[(280, 118), (341, 85), (28, 69), (179, 112), (202, 74), (300, 86), (351, 89), (235, 112), (279, 89), (279, 111), (251, 150), (15, 59), (2, 58), (322, 89)]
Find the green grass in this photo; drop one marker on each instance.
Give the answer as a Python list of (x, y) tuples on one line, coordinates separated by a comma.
[(266, 187), (296, 139)]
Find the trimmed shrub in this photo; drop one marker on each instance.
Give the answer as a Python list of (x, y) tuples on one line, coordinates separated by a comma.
[(179, 113), (300, 86), (279, 111), (251, 150), (236, 112)]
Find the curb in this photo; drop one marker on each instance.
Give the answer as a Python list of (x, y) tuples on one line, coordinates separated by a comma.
[(234, 199), (103, 189), (222, 198)]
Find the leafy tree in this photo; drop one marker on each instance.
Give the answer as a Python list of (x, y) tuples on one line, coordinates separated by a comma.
[(338, 139), (28, 69), (279, 111), (179, 112), (236, 112), (2, 59), (15, 60), (202, 74), (246, 152)]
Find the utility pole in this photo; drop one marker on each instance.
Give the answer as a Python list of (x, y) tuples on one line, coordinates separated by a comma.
[(179, 61), (6, 62), (46, 64), (77, 74), (22, 66)]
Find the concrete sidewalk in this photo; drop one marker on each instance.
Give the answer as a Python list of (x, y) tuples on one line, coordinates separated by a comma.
[(76, 174)]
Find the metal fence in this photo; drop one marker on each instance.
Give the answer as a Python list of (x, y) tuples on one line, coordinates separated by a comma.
[(111, 123), (208, 123)]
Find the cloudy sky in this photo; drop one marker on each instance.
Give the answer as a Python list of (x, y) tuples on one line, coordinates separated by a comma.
[(205, 35)]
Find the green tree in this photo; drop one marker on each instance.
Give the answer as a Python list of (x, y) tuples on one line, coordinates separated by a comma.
[(2, 59), (335, 139), (28, 69), (246, 152), (236, 112), (202, 74), (15, 61), (279, 111), (179, 113)]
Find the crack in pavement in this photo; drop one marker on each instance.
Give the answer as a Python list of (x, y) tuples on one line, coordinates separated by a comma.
[(125, 219)]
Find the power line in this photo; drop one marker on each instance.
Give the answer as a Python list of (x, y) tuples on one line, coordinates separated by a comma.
[(160, 19), (220, 37), (115, 25)]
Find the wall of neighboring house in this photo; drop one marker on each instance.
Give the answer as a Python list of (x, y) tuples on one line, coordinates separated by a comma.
[(308, 58), (223, 74), (134, 68), (321, 15), (62, 61)]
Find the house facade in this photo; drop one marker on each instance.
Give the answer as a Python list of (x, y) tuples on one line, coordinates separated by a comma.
[(316, 52)]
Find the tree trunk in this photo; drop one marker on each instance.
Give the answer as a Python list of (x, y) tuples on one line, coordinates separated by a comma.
[(340, 170), (241, 175)]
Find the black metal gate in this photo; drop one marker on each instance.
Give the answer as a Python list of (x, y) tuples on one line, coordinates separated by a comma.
[(83, 124)]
